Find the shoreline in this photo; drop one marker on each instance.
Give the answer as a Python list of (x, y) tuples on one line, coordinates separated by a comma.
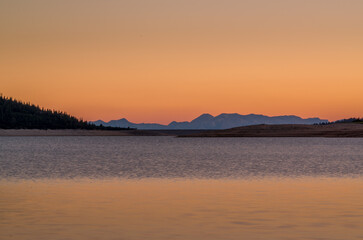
[(66, 132), (336, 130), (83, 132)]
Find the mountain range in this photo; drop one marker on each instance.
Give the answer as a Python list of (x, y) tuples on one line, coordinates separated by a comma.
[(207, 121)]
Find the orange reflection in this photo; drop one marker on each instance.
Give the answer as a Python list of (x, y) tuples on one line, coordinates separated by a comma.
[(182, 209)]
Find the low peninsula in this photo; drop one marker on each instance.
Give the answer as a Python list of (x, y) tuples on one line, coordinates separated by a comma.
[(288, 130)]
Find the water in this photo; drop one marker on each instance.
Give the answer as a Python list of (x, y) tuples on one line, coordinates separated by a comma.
[(168, 157), (171, 188)]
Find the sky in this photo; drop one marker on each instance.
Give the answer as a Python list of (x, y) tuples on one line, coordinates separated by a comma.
[(165, 60)]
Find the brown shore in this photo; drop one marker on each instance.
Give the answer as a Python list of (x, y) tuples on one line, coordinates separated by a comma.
[(82, 132), (287, 130), (69, 132)]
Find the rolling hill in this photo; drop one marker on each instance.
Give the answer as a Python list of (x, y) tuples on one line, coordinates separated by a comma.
[(222, 121)]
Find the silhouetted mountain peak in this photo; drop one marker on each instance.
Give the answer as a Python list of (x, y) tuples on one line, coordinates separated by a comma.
[(122, 120), (222, 121), (203, 117), (99, 121)]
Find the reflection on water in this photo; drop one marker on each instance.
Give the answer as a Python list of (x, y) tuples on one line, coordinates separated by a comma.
[(169, 188), (305, 208)]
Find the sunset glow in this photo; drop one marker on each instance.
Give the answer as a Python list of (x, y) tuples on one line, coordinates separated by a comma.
[(159, 61)]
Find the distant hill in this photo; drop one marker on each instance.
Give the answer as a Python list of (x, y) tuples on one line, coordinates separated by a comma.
[(350, 120), (351, 129), (125, 123), (222, 121), (15, 114)]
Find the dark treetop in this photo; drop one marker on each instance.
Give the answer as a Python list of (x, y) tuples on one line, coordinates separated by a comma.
[(15, 114)]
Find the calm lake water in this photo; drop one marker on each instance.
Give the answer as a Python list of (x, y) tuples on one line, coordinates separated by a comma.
[(180, 188)]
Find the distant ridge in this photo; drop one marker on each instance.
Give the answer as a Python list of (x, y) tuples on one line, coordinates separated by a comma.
[(351, 129), (222, 121)]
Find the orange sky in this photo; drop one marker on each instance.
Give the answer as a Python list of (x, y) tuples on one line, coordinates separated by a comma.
[(158, 61)]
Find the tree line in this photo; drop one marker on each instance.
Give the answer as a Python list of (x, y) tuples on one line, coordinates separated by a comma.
[(350, 120), (16, 114), (347, 120)]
